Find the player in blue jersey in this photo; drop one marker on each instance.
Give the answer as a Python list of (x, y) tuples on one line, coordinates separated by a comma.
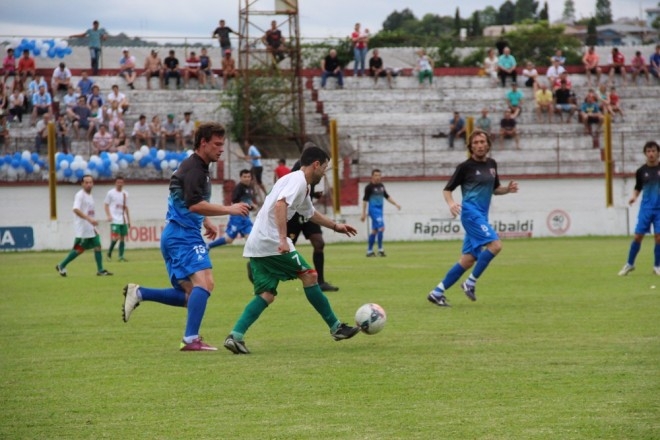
[(374, 197), (478, 180), (182, 245), (238, 224), (647, 182)]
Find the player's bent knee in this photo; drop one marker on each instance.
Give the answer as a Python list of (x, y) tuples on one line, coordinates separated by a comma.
[(308, 277)]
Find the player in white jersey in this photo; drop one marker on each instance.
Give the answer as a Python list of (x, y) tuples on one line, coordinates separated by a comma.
[(116, 210)]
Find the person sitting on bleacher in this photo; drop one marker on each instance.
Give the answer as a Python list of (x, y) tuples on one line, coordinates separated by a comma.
[(330, 67), (554, 71), (153, 67), (41, 138), (590, 61), (171, 70), (187, 131), (155, 129), (70, 100), (514, 100), (62, 129), (115, 117), (170, 132), (377, 69), (590, 113), (104, 141), (26, 67), (205, 68), (85, 84), (42, 103), (5, 136), (228, 68), (508, 129), (563, 104), (654, 61), (544, 102), (95, 96), (80, 117), (17, 105), (128, 68), (116, 95), (141, 134), (192, 70), (8, 66), (483, 122), (506, 66), (617, 66), (61, 79), (35, 84), (638, 67)]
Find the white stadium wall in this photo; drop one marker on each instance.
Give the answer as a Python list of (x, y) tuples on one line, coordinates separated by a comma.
[(542, 208)]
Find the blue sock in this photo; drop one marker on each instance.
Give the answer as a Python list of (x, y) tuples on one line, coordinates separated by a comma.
[(380, 240), (170, 297), (196, 308), (454, 274), (372, 240), (656, 252), (634, 250), (219, 242), (484, 259)]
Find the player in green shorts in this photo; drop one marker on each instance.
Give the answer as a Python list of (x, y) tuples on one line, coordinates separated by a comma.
[(116, 210)]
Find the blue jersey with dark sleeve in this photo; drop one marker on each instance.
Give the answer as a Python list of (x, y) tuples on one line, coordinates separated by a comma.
[(189, 185), (477, 180), (647, 181), (375, 194)]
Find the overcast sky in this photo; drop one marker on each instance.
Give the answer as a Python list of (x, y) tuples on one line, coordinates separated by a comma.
[(318, 18)]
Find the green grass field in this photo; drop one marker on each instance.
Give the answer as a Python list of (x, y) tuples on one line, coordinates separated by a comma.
[(556, 347)]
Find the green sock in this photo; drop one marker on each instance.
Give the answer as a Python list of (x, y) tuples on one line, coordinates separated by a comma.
[(251, 313), (320, 302), (112, 246), (98, 256), (121, 249), (69, 258)]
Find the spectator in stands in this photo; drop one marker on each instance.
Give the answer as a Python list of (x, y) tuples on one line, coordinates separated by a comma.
[(274, 42), (104, 141), (171, 70), (85, 84), (141, 134), (590, 113), (424, 67), (615, 103), (63, 129), (360, 42), (508, 129), (559, 57), (222, 33), (116, 95), (530, 74), (617, 66), (376, 69), (187, 130), (61, 79), (42, 103), (490, 66), (330, 67), (563, 102), (128, 68), (554, 72), (155, 129), (96, 34), (205, 69), (26, 67), (514, 100), (590, 60), (5, 135), (70, 100), (654, 61), (170, 132), (228, 68), (456, 129), (281, 170), (115, 117), (16, 105), (506, 66), (96, 117), (603, 99), (41, 137), (544, 103), (96, 96), (8, 66), (638, 67), (483, 122), (4, 99), (192, 69), (80, 118), (33, 86), (563, 77), (153, 67)]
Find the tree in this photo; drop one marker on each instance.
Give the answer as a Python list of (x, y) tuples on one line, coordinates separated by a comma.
[(396, 19), (507, 13), (592, 33), (603, 12), (544, 14), (475, 28), (525, 10), (457, 22), (488, 17), (568, 16)]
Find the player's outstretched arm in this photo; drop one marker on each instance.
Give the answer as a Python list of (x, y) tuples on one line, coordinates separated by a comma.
[(342, 228)]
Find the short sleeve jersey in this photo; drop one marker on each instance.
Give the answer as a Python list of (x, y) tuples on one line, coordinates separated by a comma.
[(375, 195), (223, 35), (274, 38), (477, 180), (255, 156), (117, 202), (242, 193), (264, 239), (647, 181), (190, 184), (85, 203)]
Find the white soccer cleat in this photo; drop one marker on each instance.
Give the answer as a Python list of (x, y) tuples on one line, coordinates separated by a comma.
[(656, 270), (627, 268), (131, 300)]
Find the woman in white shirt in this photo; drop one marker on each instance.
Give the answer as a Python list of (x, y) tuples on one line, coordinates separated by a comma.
[(490, 66)]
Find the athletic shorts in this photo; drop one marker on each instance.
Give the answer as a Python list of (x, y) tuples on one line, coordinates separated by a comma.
[(119, 229), (256, 174), (267, 272), (238, 224), (87, 243), (646, 219), (377, 220), (478, 233), (184, 252), (297, 224), (564, 107)]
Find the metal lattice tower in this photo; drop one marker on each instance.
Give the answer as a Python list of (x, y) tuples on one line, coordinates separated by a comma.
[(273, 104)]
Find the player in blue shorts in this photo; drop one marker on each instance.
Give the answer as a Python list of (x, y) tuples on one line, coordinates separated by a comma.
[(182, 245), (478, 180), (374, 197), (238, 224), (647, 182)]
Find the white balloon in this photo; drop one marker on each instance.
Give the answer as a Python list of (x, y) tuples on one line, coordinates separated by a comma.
[(160, 154), (173, 163), (144, 150), (44, 54), (83, 165), (36, 168), (114, 167), (59, 175), (137, 155), (93, 173), (189, 153), (164, 165), (77, 158), (114, 157), (122, 164), (75, 165), (64, 165), (61, 44), (26, 155)]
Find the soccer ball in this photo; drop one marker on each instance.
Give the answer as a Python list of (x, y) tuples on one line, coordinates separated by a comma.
[(370, 318)]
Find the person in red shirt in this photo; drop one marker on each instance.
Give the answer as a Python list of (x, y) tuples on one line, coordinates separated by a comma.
[(26, 67), (281, 170), (639, 68), (618, 66), (8, 65), (615, 105)]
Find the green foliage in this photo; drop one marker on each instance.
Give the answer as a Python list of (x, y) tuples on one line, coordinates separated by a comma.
[(556, 347), (568, 15), (475, 25), (397, 19), (544, 15), (506, 13), (603, 12), (525, 10), (312, 54), (656, 23), (592, 32), (443, 55), (537, 42)]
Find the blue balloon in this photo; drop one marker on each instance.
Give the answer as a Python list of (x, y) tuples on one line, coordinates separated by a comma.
[(36, 52), (18, 156), (29, 168), (35, 157), (91, 165), (15, 163), (105, 155), (6, 159), (144, 161), (51, 52), (68, 51), (153, 151), (25, 163), (80, 173), (129, 158), (106, 163), (24, 42), (67, 172)]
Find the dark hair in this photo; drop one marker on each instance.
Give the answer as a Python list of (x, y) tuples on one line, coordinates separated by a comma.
[(651, 144), (244, 171), (311, 154), (282, 161), (207, 130), (478, 132), (374, 171)]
